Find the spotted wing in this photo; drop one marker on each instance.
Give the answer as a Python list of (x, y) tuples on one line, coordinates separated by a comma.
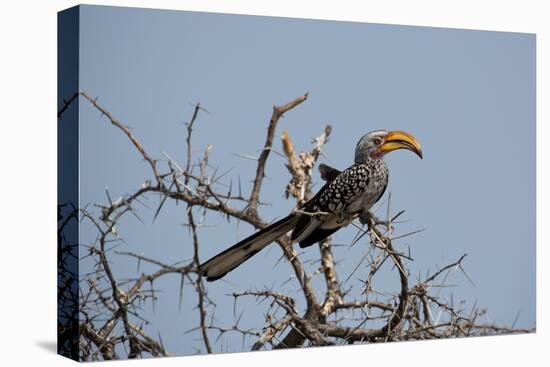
[(333, 198)]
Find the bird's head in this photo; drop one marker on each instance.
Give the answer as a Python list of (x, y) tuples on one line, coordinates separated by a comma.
[(377, 143)]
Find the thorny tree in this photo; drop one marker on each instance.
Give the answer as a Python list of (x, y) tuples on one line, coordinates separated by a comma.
[(110, 325)]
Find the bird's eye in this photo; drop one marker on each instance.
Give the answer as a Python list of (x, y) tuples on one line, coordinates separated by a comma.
[(377, 140)]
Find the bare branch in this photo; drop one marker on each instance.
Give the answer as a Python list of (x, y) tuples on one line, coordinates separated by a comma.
[(278, 112)]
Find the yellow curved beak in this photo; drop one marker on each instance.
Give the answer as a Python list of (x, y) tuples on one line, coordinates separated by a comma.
[(400, 140)]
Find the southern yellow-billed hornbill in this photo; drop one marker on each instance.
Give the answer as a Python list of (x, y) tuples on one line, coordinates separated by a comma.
[(346, 196)]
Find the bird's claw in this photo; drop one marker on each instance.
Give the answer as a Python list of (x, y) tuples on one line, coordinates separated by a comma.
[(366, 217)]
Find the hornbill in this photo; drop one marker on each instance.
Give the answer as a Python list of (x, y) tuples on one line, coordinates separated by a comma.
[(347, 195)]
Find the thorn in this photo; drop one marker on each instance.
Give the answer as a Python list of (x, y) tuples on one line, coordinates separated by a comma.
[(397, 215), (182, 281), (162, 201)]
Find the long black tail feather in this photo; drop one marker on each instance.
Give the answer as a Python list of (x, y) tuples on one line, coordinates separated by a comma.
[(227, 260)]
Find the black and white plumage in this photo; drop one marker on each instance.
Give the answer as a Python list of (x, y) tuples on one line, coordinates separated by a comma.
[(342, 199)]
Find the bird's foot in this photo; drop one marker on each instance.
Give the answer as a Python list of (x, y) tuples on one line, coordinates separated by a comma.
[(366, 217)]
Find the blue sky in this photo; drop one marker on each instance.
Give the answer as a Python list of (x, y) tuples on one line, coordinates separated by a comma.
[(468, 96)]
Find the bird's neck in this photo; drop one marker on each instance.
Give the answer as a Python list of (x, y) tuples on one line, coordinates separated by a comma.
[(369, 161)]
